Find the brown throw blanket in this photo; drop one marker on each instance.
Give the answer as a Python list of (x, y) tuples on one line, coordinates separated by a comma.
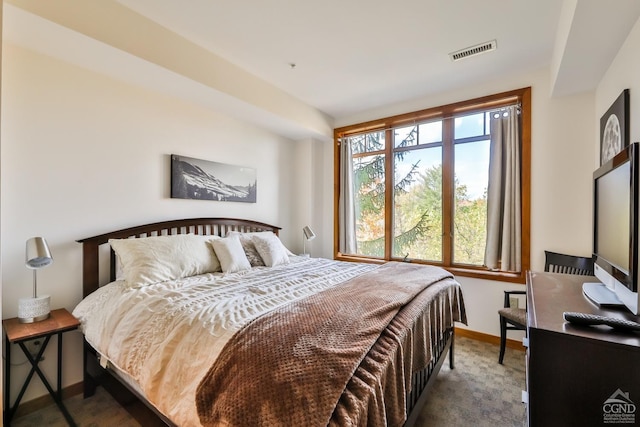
[(314, 362)]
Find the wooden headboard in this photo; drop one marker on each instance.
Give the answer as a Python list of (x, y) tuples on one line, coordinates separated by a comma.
[(203, 226)]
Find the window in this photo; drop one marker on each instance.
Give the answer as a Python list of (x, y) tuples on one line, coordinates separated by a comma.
[(415, 188)]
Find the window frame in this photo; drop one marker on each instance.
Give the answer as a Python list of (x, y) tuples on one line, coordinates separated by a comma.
[(446, 113)]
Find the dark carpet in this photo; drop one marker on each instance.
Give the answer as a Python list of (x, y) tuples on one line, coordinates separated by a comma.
[(479, 391)]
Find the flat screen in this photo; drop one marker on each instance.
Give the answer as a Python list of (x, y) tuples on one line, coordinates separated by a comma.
[(615, 225), (613, 209)]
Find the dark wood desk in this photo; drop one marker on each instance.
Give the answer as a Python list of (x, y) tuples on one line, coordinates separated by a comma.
[(573, 371)]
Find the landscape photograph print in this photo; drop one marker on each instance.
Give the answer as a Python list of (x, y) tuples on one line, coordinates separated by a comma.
[(207, 180)]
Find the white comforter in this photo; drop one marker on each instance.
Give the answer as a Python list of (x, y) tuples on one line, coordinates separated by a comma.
[(166, 336)]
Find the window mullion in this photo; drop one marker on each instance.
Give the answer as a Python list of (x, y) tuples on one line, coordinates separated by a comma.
[(447, 189), (388, 194)]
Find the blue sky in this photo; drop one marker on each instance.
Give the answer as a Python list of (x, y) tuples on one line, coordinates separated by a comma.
[(472, 159)]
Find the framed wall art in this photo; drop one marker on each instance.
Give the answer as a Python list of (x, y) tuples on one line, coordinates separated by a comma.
[(206, 180), (614, 128)]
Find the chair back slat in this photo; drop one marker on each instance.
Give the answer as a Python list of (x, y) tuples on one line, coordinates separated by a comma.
[(568, 264)]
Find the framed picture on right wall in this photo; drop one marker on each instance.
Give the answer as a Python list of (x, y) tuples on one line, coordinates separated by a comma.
[(614, 128)]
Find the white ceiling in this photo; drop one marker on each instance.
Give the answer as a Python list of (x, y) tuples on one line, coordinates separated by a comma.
[(356, 55), (351, 56)]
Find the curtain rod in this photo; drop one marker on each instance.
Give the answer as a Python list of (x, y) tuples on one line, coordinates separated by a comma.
[(415, 122)]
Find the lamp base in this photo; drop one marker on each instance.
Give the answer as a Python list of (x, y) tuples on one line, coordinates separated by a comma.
[(33, 309)]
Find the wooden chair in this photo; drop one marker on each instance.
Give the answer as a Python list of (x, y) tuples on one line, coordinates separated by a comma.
[(513, 318), (568, 264)]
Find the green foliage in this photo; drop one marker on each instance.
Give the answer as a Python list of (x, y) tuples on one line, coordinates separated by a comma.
[(370, 193), (470, 233), (418, 218), (417, 208), (374, 247), (370, 190), (369, 183)]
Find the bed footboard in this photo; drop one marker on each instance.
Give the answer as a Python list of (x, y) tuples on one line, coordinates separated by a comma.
[(423, 380)]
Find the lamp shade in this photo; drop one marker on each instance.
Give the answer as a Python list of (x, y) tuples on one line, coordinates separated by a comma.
[(308, 233), (38, 254)]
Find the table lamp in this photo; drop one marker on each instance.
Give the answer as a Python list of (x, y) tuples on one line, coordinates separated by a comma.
[(36, 308), (307, 234)]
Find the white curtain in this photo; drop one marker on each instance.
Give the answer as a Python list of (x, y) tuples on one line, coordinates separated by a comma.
[(346, 204), (503, 194)]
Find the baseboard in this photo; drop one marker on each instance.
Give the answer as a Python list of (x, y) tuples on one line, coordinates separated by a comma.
[(46, 400), (492, 339)]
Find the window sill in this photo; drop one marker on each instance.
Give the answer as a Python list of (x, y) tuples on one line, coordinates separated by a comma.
[(476, 273), (500, 276)]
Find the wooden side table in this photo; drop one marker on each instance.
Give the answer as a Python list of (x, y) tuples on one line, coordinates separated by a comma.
[(59, 322)]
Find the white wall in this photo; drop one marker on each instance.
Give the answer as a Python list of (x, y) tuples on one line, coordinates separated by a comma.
[(562, 166), (83, 154), (622, 74), (310, 175)]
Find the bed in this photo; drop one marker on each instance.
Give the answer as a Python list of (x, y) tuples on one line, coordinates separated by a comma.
[(288, 340)]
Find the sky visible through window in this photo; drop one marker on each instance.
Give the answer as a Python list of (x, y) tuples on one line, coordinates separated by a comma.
[(471, 159)]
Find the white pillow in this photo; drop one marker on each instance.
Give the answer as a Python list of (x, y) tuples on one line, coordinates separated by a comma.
[(259, 233), (231, 255), (150, 260), (271, 249), (249, 248)]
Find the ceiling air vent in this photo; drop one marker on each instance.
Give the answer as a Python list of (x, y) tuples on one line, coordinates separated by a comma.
[(473, 50)]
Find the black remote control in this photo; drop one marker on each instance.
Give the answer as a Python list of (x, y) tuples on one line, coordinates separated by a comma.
[(594, 319)]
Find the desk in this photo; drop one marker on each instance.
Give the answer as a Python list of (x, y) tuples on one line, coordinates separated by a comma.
[(59, 322), (574, 372)]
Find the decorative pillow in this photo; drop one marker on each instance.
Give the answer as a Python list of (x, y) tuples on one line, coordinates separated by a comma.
[(150, 260), (271, 249), (249, 237), (249, 248), (231, 255)]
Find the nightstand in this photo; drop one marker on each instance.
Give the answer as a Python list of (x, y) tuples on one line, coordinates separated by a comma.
[(59, 322)]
